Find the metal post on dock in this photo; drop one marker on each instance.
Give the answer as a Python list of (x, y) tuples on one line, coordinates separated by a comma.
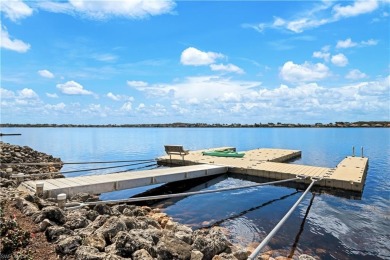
[(281, 222), (19, 178), (362, 152), (353, 151), (61, 200), (39, 189)]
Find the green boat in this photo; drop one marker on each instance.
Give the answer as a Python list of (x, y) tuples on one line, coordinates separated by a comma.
[(225, 153)]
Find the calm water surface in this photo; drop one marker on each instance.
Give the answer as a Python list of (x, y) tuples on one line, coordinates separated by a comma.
[(334, 227)]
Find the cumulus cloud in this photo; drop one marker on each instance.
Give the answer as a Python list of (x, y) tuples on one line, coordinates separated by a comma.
[(348, 43), (339, 60), (57, 107), (226, 68), (195, 57), (136, 83), (54, 95), (5, 93), (106, 9), (127, 107), (355, 74), (46, 74), (114, 97), (370, 42), (357, 8), (27, 93), (15, 9), (292, 72), (7, 42), (321, 55), (73, 88)]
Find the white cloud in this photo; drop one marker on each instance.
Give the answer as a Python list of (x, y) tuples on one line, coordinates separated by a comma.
[(339, 60), (127, 107), (105, 57), (357, 8), (57, 107), (7, 42), (321, 55), (320, 14), (370, 42), (5, 93), (54, 95), (15, 9), (355, 74), (73, 88), (114, 97), (303, 73), (46, 74), (100, 10), (136, 83), (226, 68), (348, 43), (27, 93), (195, 57)]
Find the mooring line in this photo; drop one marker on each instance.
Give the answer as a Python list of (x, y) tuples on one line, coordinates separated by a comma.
[(281, 222), (167, 196)]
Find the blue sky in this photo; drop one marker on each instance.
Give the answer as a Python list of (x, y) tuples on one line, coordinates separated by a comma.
[(144, 61)]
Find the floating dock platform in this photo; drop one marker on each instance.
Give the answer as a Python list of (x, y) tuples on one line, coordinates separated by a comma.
[(349, 174)]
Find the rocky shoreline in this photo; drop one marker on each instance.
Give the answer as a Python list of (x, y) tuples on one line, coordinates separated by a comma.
[(109, 232)]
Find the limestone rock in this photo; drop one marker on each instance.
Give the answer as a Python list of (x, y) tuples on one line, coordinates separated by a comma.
[(45, 224), (196, 255), (111, 227), (173, 248), (103, 209), (127, 243), (142, 254), (54, 232), (96, 240), (52, 213), (69, 245), (210, 242), (89, 253)]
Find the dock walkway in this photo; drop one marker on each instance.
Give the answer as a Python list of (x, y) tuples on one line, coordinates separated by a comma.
[(97, 184)]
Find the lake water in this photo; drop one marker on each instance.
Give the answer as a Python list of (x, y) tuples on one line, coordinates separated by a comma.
[(334, 227)]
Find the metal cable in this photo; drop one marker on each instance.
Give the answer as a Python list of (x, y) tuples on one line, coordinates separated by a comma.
[(167, 196), (281, 222)]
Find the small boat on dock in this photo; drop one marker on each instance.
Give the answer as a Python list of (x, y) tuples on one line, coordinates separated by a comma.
[(224, 153)]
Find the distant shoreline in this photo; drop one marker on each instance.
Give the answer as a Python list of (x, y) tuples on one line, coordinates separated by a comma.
[(362, 124)]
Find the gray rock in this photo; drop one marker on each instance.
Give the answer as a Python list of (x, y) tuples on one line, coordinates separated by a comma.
[(173, 248), (142, 254), (134, 223), (76, 221), (210, 242), (111, 227), (89, 253), (54, 232), (45, 224), (85, 232), (96, 240), (69, 245), (113, 257), (52, 213), (92, 215), (224, 256), (99, 221), (126, 243), (103, 209), (26, 207)]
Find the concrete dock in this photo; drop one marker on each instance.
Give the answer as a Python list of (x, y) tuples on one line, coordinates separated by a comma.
[(97, 184), (349, 174)]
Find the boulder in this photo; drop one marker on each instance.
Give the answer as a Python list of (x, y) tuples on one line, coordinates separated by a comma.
[(126, 243), (241, 254), (103, 209), (133, 222), (210, 242), (69, 245), (92, 215), (96, 240), (54, 232), (26, 207), (45, 224), (52, 213), (77, 220), (111, 227), (99, 221), (89, 253), (196, 255), (142, 254), (173, 248)]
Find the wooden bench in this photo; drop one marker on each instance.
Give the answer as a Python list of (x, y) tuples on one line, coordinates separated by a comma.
[(175, 149)]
